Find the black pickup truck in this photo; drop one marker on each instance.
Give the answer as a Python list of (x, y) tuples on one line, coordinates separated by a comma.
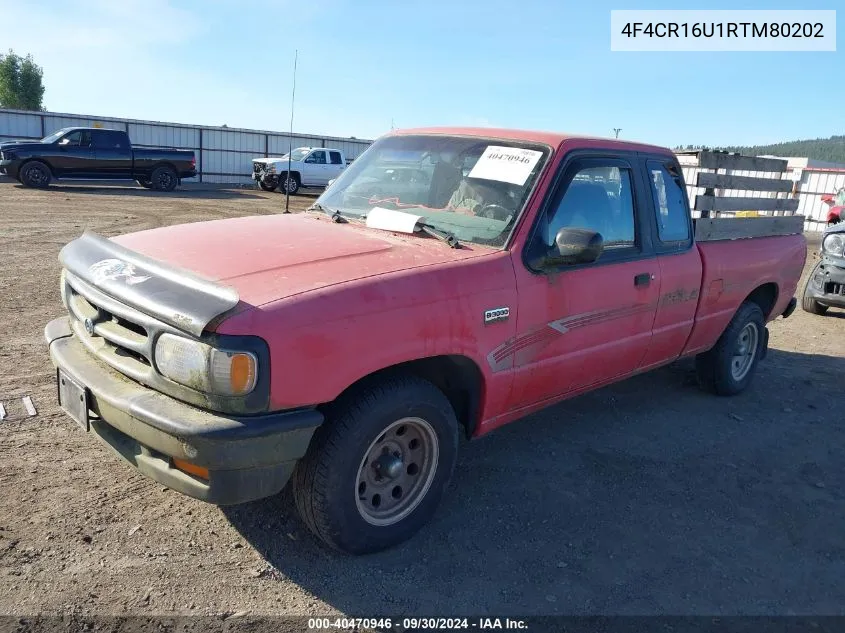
[(94, 154)]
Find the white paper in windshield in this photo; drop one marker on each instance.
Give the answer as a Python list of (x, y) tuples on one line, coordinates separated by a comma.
[(389, 220), (506, 164)]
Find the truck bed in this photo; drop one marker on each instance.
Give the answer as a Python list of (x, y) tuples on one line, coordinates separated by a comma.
[(733, 268)]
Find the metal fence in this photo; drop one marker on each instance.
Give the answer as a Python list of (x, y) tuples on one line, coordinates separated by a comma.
[(223, 154)]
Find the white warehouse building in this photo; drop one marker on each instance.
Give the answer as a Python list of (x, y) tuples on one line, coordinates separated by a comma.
[(223, 154)]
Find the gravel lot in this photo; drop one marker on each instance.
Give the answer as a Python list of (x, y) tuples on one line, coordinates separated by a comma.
[(646, 497)]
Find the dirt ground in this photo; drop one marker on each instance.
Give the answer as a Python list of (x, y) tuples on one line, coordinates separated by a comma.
[(646, 497)]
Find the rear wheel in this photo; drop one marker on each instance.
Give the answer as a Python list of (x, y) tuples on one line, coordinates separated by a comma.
[(164, 178), (808, 302), (376, 470), (35, 174), (727, 369)]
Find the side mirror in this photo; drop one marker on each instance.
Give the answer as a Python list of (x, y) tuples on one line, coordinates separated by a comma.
[(575, 246)]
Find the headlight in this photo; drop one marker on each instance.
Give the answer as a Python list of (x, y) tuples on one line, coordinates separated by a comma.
[(834, 244), (205, 368), (270, 169)]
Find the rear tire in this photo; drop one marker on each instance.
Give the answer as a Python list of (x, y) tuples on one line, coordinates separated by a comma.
[(35, 174), (164, 178), (377, 468), (808, 302), (728, 368)]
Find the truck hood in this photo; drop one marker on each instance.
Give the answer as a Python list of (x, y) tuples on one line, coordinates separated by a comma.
[(273, 159), (13, 145), (266, 258)]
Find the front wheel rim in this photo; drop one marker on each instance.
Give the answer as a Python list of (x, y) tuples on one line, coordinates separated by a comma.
[(396, 472), (745, 351), (36, 175)]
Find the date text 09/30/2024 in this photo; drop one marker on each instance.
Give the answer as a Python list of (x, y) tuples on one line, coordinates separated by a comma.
[(417, 624)]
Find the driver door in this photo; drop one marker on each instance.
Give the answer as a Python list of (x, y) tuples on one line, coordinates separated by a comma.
[(583, 325), (74, 155), (316, 172)]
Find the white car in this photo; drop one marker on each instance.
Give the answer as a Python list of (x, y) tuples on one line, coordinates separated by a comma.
[(309, 167)]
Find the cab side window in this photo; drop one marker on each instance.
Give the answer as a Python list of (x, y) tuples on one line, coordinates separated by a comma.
[(317, 157), (336, 159), (107, 139), (79, 138), (669, 202), (599, 199)]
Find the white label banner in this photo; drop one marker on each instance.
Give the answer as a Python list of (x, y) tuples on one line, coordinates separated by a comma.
[(505, 164), (723, 30)]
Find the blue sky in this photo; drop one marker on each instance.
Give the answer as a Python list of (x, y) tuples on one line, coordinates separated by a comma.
[(362, 63)]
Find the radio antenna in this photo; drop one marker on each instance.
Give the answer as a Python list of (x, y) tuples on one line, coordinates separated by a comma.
[(290, 136)]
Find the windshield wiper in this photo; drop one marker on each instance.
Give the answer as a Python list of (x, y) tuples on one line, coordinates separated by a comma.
[(440, 234), (334, 214)]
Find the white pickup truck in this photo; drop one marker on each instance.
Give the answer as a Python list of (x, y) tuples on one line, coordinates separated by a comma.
[(309, 167)]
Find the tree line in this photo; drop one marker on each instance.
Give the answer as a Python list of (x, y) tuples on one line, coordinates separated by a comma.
[(830, 149), (21, 82)]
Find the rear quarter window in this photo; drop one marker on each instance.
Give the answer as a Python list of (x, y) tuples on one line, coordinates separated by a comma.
[(669, 202)]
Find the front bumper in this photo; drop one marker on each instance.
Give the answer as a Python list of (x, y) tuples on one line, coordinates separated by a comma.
[(827, 282), (9, 168), (265, 177), (247, 458)]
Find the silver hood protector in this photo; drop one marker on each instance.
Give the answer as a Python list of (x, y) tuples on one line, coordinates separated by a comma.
[(175, 296)]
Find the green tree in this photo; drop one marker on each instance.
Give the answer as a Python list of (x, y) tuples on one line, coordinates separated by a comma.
[(21, 85)]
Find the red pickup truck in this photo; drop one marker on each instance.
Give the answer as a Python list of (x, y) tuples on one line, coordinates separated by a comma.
[(449, 281)]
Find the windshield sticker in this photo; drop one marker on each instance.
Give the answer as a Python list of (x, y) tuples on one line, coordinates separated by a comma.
[(389, 220), (506, 164)]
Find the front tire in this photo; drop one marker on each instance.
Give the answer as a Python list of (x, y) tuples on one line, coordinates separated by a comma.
[(728, 368), (35, 174), (377, 468), (164, 178), (267, 187), (289, 184), (808, 302)]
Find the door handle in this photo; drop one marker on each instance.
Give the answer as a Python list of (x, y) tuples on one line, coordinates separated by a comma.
[(643, 279)]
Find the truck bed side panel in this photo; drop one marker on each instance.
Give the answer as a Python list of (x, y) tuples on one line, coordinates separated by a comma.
[(145, 160), (732, 270)]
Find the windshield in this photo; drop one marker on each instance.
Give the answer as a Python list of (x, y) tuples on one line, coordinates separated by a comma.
[(474, 188), (55, 136), (298, 154)]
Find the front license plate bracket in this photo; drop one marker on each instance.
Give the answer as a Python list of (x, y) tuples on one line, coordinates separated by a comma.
[(73, 398)]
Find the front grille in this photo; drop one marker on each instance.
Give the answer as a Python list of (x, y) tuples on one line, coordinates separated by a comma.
[(117, 334), (124, 338), (833, 288)]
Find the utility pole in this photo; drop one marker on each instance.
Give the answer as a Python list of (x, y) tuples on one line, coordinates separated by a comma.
[(617, 130)]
